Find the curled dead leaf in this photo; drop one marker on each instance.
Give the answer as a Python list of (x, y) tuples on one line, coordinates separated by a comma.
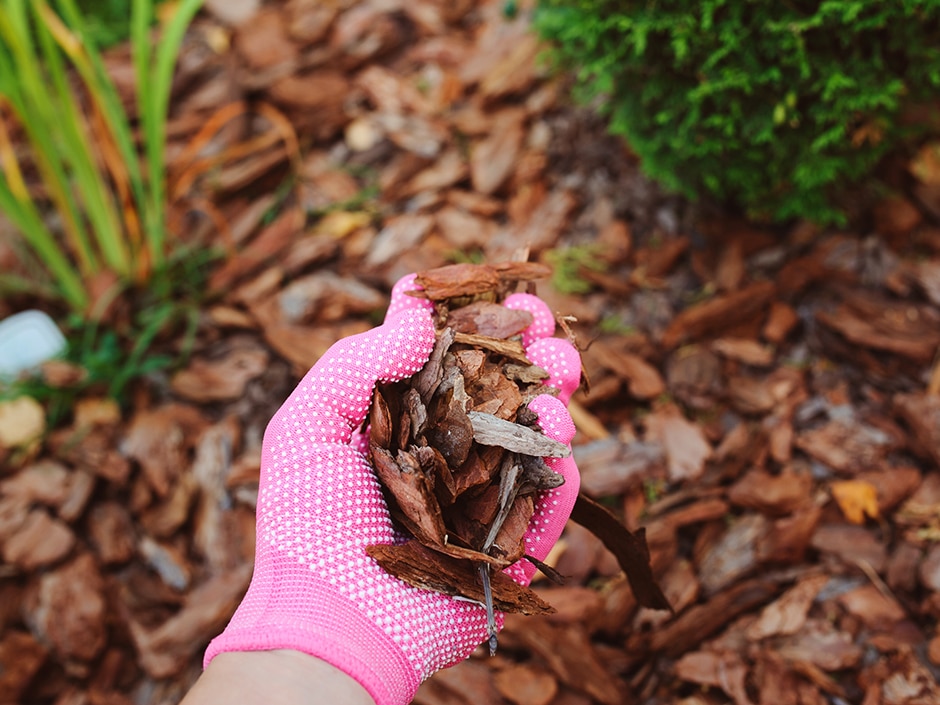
[(857, 499)]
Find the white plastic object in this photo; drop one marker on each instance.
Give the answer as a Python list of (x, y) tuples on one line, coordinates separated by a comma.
[(26, 340)]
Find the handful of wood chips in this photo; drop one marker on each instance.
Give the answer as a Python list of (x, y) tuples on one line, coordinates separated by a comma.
[(460, 455)]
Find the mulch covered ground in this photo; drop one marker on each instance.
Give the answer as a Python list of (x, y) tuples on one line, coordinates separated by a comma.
[(765, 403)]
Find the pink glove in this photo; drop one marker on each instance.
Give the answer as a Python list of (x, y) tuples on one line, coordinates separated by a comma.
[(314, 589)]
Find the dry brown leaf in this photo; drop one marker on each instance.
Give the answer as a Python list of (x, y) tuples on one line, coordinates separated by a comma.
[(857, 499)]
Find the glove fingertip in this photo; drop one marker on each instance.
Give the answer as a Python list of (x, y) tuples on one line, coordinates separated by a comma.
[(411, 333), (554, 418), (543, 322), (400, 300)]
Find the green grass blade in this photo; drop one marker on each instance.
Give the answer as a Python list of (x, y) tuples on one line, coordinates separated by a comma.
[(158, 100), (21, 84), (141, 17), (77, 141), (27, 219), (105, 95)]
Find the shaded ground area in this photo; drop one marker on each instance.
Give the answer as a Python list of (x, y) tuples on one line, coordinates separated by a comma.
[(765, 404)]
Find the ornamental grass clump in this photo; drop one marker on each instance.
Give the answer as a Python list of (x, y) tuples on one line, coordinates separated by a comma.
[(772, 107), (87, 199), (83, 183)]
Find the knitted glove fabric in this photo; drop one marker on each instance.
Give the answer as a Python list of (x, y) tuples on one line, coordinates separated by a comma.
[(314, 589)]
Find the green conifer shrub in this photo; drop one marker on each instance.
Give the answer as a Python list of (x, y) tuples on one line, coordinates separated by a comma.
[(773, 106)]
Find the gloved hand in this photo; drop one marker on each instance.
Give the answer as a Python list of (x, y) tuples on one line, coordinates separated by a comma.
[(314, 589)]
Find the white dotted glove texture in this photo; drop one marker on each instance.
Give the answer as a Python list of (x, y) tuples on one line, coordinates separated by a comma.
[(314, 589)]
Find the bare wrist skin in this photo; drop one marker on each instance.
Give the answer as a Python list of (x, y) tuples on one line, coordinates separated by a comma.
[(274, 677)]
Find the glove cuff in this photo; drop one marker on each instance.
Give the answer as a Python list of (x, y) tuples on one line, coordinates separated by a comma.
[(331, 628)]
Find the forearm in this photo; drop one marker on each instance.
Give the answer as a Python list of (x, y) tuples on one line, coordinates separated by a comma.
[(280, 677)]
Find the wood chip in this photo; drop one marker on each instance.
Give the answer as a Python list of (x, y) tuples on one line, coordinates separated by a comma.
[(40, 541), (415, 564), (490, 430), (526, 685), (67, 609), (220, 379), (717, 314), (686, 447)]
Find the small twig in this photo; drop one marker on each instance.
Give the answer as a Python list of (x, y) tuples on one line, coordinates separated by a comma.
[(492, 641), (875, 579), (508, 487)]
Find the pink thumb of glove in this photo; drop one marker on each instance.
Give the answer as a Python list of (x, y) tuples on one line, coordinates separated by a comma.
[(314, 589)]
